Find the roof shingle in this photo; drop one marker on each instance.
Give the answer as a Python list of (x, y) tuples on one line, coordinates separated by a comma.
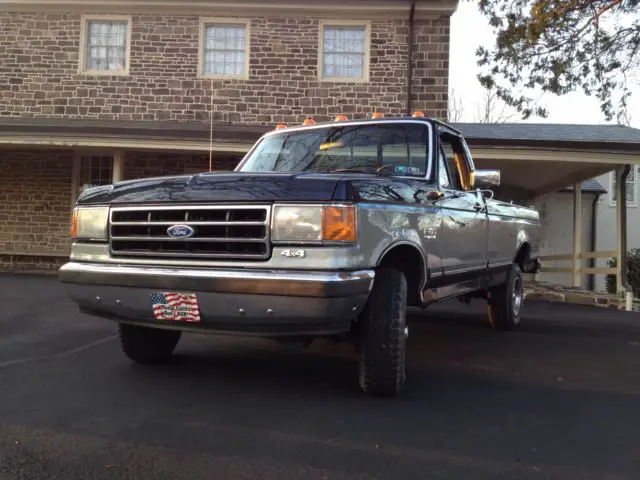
[(557, 132)]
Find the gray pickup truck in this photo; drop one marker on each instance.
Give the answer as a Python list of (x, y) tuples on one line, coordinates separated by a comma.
[(322, 230)]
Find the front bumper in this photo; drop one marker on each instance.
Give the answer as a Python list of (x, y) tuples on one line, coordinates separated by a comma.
[(237, 301)]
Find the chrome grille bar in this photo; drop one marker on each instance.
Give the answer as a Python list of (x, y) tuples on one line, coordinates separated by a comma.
[(219, 231)]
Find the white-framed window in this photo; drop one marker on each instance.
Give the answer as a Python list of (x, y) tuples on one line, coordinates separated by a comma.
[(95, 170), (344, 51), (633, 182), (225, 48), (105, 45)]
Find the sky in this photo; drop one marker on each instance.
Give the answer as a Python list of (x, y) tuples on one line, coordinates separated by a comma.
[(469, 29)]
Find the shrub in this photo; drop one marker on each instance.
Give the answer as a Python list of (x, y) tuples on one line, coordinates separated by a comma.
[(633, 272)]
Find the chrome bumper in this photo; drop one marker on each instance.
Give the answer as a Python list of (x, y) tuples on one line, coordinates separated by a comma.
[(230, 300)]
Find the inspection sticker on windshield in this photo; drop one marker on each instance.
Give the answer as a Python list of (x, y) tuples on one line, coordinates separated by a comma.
[(405, 170), (175, 306)]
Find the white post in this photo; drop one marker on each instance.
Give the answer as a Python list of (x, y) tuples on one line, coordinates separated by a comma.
[(619, 287), (118, 166), (577, 233), (75, 178)]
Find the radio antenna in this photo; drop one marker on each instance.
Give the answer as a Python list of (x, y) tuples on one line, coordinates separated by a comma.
[(211, 129)]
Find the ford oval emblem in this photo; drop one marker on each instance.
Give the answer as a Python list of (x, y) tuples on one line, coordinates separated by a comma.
[(180, 231)]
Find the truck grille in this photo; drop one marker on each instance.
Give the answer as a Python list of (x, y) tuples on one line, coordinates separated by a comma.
[(223, 232)]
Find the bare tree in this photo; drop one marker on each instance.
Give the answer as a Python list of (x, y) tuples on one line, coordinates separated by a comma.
[(623, 115), (492, 109), (489, 110), (455, 107)]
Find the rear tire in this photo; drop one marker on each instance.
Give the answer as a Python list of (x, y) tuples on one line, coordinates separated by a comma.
[(505, 301), (382, 335), (147, 345)]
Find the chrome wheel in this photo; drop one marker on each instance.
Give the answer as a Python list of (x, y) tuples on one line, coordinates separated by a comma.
[(516, 297)]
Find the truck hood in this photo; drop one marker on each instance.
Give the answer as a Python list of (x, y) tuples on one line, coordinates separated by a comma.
[(222, 187)]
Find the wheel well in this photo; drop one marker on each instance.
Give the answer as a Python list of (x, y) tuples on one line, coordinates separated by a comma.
[(522, 256), (409, 261)]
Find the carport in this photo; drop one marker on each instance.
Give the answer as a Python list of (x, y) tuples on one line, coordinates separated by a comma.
[(537, 159)]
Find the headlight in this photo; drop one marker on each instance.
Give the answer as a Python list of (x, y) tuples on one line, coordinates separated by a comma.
[(299, 223), (89, 223)]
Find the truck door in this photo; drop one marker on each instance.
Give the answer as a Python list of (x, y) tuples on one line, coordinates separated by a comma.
[(464, 214)]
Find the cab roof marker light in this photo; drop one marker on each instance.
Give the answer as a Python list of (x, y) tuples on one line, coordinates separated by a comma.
[(418, 114), (376, 115), (341, 118), (281, 126), (308, 122)]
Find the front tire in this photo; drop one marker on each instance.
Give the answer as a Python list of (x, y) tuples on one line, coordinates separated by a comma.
[(505, 301), (147, 345), (382, 335)]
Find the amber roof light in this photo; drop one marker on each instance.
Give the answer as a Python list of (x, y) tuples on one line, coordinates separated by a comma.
[(418, 114), (377, 115), (341, 118), (308, 121), (281, 125)]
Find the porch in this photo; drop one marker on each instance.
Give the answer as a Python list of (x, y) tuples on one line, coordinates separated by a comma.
[(48, 162)]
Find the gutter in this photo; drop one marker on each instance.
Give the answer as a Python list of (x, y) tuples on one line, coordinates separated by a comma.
[(412, 12)]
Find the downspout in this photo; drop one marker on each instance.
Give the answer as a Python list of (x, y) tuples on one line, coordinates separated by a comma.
[(412, 11), (594, 238), (624, 281)]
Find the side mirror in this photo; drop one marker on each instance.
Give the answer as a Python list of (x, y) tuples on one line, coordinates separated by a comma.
[(486, 179)]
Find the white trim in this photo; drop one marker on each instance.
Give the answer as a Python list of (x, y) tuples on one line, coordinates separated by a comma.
[(128, 144), (379, 9), (634, 186), (367, 49), (201, 46), (82, 57), (556, 154)]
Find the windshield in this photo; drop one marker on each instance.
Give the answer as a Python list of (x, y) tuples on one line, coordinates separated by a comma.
[(393, 149)]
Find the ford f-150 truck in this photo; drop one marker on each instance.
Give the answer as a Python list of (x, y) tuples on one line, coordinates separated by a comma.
[(323, 230)]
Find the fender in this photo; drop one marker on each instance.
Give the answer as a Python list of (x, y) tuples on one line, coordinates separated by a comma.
[(424, 277)]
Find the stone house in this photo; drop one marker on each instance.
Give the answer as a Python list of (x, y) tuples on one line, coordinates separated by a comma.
[(93, 92)]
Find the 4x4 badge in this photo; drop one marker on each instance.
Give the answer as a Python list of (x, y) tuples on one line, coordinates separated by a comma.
[(293, 253)]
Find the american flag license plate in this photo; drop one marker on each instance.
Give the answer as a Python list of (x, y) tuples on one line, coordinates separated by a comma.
[(182, 307)]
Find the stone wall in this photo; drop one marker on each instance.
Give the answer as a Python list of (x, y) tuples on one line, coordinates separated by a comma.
[(35, 199), (39, 55), (35, 205)]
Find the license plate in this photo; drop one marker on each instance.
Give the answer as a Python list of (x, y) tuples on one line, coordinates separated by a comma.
[(174, 306)]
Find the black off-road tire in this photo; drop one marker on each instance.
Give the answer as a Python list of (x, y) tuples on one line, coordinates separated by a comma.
[(382, 335), (147, 345), (505, 301)]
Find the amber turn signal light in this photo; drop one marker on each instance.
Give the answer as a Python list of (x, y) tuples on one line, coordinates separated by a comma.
[(73, 232), (339, 224)]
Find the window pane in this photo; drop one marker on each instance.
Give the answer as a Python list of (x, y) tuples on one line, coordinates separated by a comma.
[(224, 49), (443, 175), (344, 52), (632, 185), (95, 171), (106, 44)]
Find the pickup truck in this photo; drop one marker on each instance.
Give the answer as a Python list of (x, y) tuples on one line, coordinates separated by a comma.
[(324, 229)]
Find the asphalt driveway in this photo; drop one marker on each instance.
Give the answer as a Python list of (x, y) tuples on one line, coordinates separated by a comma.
[(558, 399)]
